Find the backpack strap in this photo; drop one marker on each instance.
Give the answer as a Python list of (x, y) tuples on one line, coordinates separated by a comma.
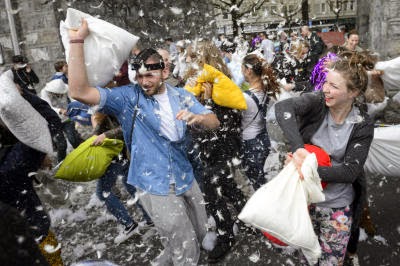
[(260, 106), (135, 111)]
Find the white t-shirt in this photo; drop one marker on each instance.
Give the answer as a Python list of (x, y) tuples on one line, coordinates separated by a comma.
[(251, 128), (168, 127)]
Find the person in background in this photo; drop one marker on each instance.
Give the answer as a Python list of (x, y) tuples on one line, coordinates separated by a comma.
[(317, 46), (17, 163), (218, 149), (294, 38), (55, 93), (352, 41), (291, 67), (61, 68), (267, 46), (173, 51), (336, 121), (180, 63), (168, 66), (23, 73), (119, 167), (255, 140)]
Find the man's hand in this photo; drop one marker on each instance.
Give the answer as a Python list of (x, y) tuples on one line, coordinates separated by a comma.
[(189, 117), (62, 111), (99, 140), (46, 163), (81, 33)]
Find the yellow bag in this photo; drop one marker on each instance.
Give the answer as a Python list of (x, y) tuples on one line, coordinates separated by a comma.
[(88, 162), (225, 92)]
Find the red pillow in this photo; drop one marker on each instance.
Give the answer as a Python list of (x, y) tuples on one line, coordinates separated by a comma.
[(323, 159)]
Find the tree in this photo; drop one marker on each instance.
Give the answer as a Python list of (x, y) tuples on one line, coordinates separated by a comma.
[(237, 9), (304, 11), (287, 10), (336, 6)]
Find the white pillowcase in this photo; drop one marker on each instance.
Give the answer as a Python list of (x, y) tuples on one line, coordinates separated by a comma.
[(27, 125), (106, 48)]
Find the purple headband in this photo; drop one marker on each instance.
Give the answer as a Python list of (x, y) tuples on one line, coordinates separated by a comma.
[(318, 75)]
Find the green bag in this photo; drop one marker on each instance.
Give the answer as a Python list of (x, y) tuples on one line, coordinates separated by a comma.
[(88, 162)]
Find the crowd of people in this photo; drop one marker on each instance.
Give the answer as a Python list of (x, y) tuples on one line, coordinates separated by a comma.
[(192, 156)]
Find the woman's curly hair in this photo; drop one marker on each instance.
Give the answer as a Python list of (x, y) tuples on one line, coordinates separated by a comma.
[(354, 66)]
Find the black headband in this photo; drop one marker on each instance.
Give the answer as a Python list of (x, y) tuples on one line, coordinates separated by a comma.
[(138, 61)]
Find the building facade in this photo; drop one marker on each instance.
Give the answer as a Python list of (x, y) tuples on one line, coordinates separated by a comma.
[(275, 14), (37, 25)]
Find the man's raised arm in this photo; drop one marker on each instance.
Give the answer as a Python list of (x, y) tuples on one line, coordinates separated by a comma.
[(79, 87)]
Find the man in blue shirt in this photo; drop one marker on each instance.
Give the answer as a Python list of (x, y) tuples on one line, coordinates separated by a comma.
[(154, 117)]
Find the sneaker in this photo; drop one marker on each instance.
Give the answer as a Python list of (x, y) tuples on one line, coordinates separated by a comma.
[(146, 225), (129, 231), (351, 260)]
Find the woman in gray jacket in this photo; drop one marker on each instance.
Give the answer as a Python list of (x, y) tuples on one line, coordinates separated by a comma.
[(336, 121)]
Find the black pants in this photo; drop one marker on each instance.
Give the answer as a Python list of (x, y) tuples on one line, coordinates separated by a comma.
[(220, 189), (16, 188)]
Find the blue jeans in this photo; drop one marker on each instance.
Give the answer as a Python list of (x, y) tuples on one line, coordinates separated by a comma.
[(72, 135), (255, 152), (113, 204)]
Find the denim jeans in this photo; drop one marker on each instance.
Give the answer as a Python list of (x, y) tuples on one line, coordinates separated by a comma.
[(72, 135), (255, 152), (113, 204)]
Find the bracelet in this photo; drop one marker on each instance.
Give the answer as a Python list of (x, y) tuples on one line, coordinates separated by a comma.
[(77, 41)]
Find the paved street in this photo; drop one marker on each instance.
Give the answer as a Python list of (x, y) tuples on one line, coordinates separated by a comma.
[(86, 231)]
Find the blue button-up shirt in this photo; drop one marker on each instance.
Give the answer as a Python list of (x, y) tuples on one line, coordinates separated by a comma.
[(155, 160)]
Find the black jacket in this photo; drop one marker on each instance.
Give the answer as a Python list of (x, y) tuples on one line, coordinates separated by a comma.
[(26, 80), (317, 47), (300, 117), (44, 109), (223, 144)]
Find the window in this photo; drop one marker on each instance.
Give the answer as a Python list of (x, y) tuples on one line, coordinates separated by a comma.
[(225, 15), (316, 8), (323, 6), (273, 10)]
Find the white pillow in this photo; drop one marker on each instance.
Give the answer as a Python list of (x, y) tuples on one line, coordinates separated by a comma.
[(106, 48), (280, 207), (27, 125), (391, 70)]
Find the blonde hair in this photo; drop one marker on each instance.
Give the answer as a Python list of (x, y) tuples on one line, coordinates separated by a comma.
[(296, 49), (206, 52)]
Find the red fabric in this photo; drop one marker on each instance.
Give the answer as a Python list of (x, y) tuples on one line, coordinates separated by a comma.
[(323, 159)]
